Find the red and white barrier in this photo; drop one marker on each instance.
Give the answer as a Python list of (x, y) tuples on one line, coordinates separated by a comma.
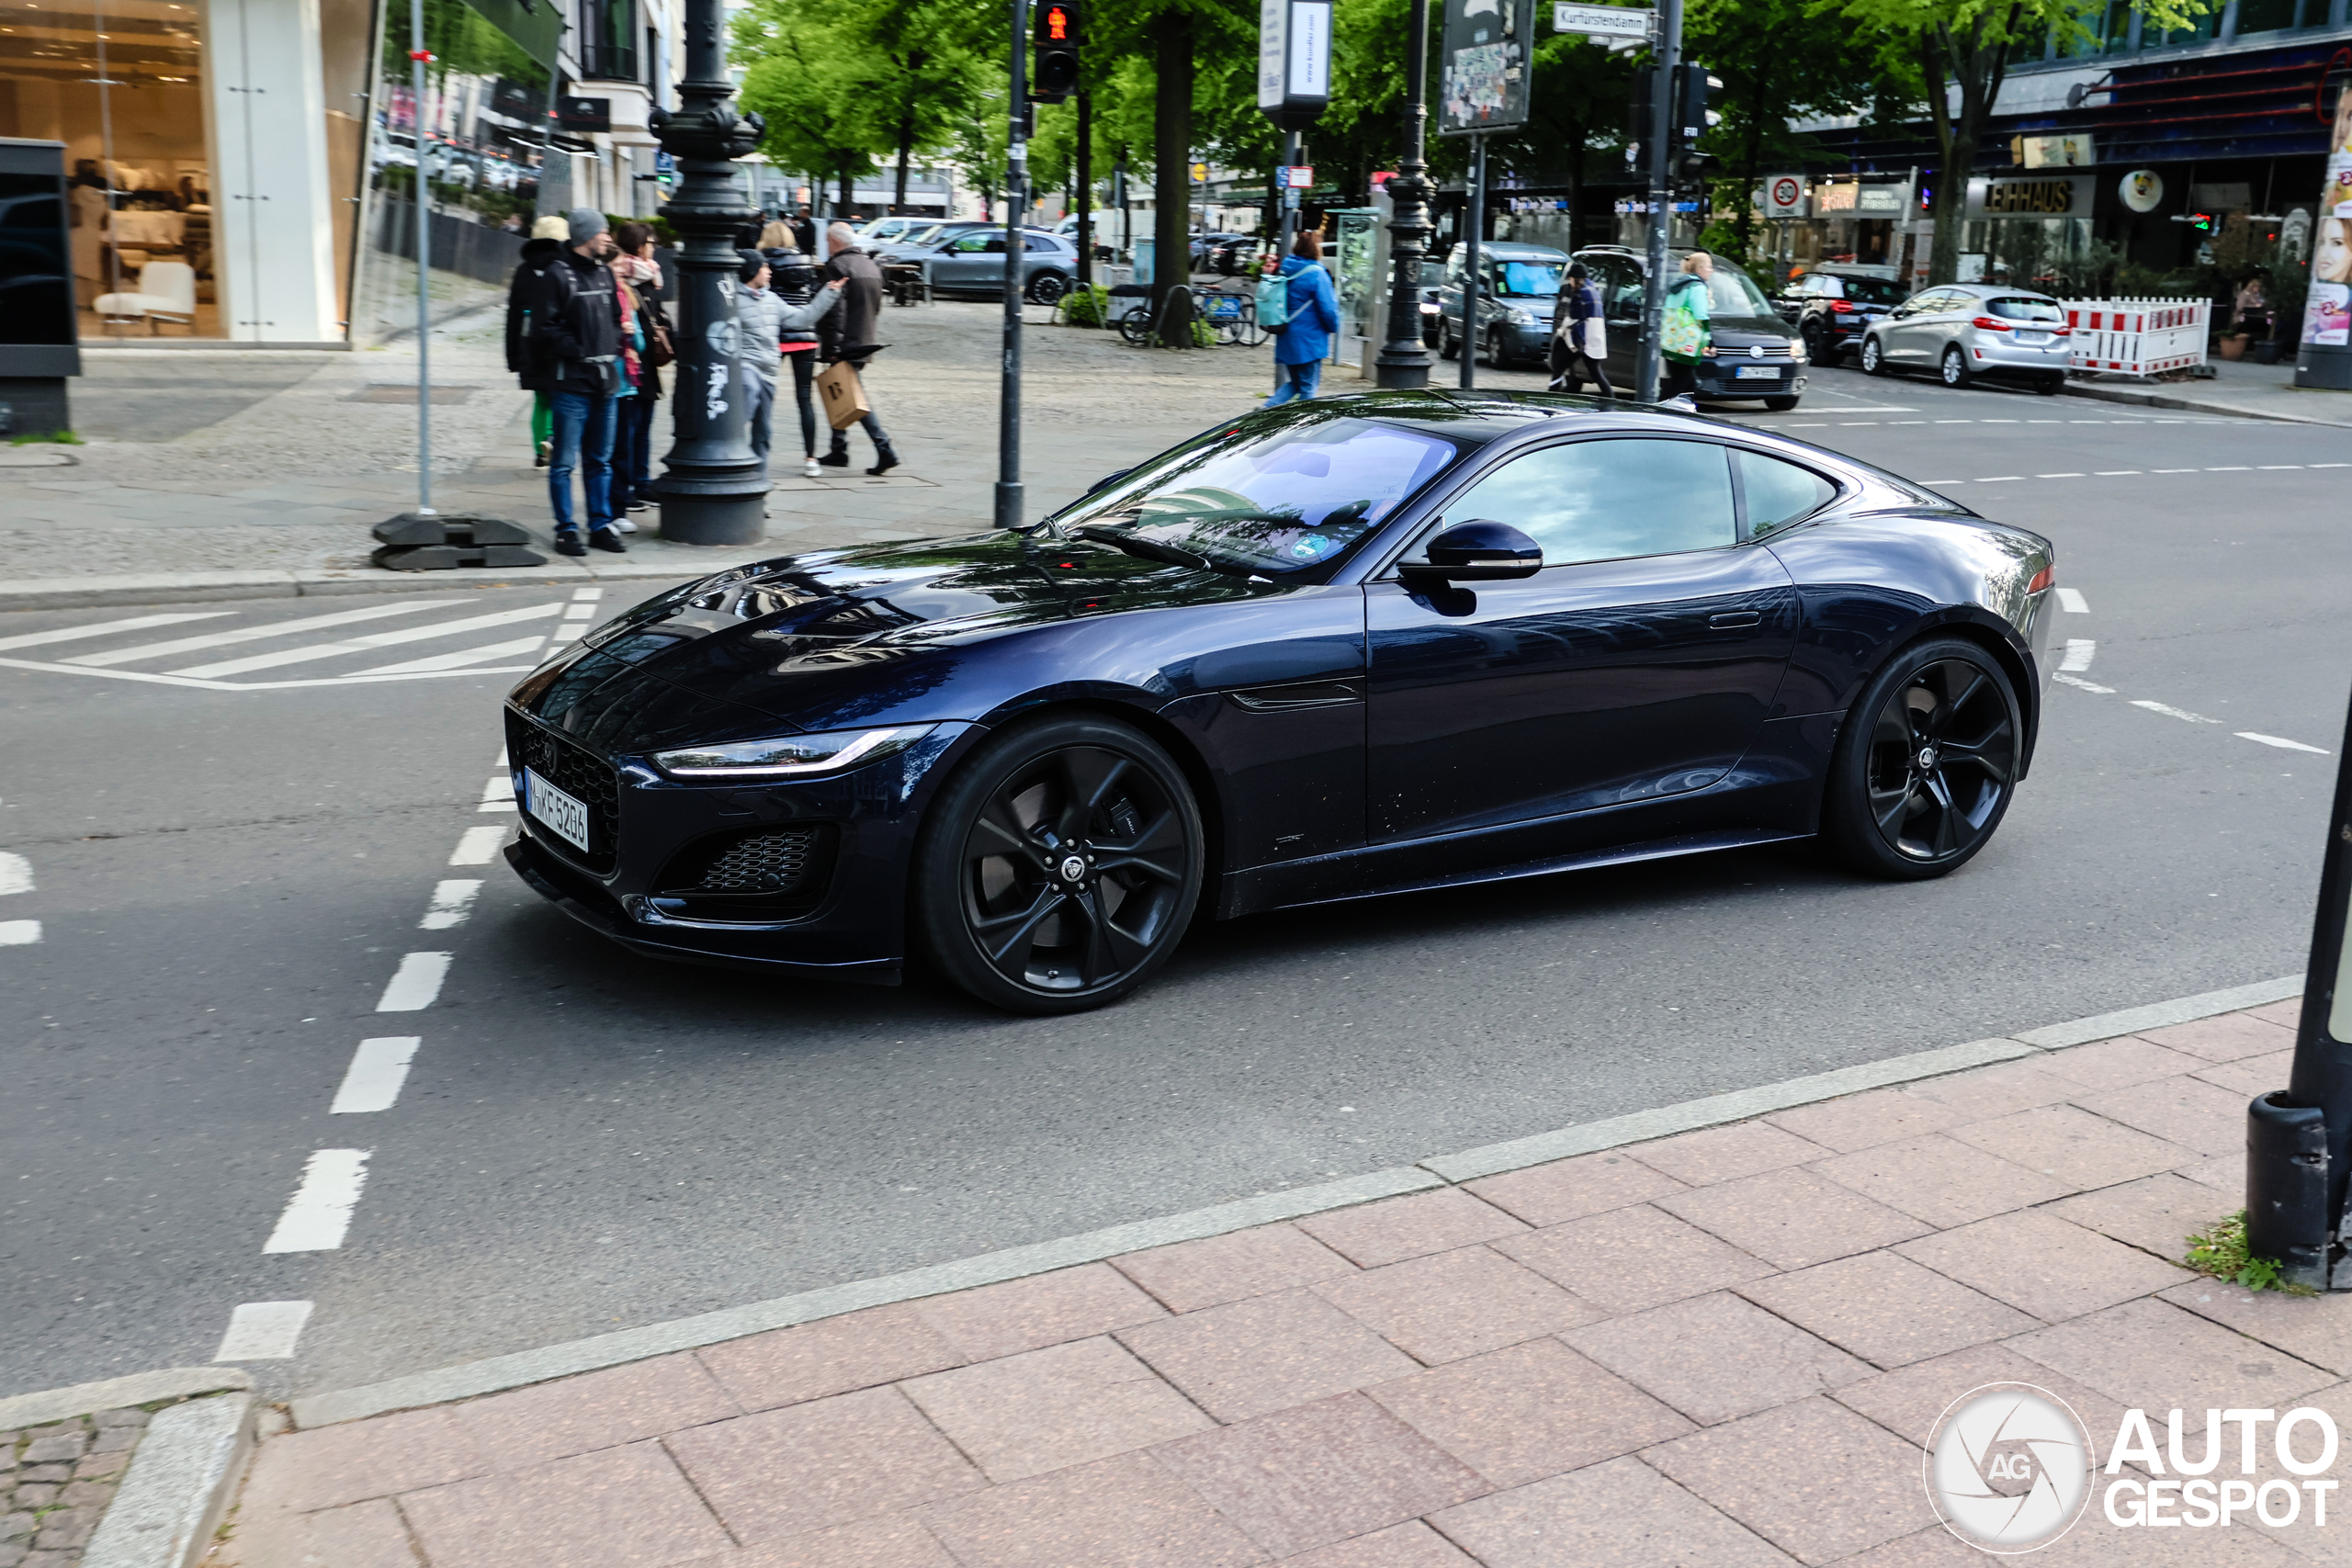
[(2137, 337)]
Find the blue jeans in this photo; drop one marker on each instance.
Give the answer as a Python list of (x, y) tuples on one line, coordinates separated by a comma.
[(633, 450), (583, 428), (1304, 379), (760, 392)]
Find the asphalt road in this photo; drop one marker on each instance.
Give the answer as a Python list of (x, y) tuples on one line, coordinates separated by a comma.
[(226, 879)]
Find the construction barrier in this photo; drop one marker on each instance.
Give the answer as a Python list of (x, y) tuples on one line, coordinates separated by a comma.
[(2137, 337)]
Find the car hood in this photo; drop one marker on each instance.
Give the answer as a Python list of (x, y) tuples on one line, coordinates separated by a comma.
[(782, 637), (1738, 331)]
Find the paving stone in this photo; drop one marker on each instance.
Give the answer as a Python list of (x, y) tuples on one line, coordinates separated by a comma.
[(2155, 1356), (901, 1541), (1857, 1487), (1518, 1415), (1571, 1189), (1629, 1259), (1615, 1515), (1028, 1314), (45, 1473), (35, 1496), (1130, 1512), (1452, 1304), (1376, 1234), (133, 1416), (1216, 1269), (597, 1410), (1266, 1353), (836, 1355), (1910, 1400), (1886, 1309), (2287, 1014), (2223, 1038), (12, 1554), (86, 1494), (1725, 1154), (2005, 1088), (97, 1466), (362, 1535), (2039, 1263), (620, 1508), (2199, 1116), (2317, 1329), (380, 1458), (1048, 1409), (820, 1464), (1940, 1181), (63, 1528), (2074, 1146), (2118, 1063), (16, 1526), (2250, 1076), (65, 1445), (1865, 1120), (1752, 1362), (2154, 1214), (1791, 1219), (116, 1439), (1409, 1545)]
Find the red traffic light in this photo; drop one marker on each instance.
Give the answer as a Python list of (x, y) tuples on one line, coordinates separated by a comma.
[(1057, 24)]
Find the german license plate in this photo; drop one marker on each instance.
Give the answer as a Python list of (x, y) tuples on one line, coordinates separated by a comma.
[(565, 814), (1756, 372), (2033, 337)]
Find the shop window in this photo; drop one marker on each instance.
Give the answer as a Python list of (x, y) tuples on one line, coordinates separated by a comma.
[(608, 40), (2266, 16)]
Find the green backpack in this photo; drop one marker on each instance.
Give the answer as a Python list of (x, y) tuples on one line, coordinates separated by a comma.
[(1273, 302), (1684, 334)]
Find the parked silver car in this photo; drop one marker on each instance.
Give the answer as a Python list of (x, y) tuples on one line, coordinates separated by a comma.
[(1962, 331)]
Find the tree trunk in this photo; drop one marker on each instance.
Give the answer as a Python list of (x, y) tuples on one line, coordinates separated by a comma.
[(906, 151), (1171, 177), (848, 193), (1746, 223), (1977, 67)]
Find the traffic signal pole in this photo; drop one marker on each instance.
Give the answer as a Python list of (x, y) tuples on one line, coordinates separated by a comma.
[(1664, 56), (1473, 224), (1016, 179)]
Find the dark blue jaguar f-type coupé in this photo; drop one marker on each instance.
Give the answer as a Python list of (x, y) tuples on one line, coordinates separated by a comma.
[(1357, 646)]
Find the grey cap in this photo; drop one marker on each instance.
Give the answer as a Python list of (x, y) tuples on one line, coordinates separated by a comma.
[(586, 224)]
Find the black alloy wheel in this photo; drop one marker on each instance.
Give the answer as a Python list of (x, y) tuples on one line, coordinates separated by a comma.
[(1928, 763), (1954, 367), (1874, 357), (1059, 867), (1048, 288)]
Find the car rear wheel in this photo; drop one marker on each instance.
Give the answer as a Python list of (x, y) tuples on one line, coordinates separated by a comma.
[(1057, 870), (1924, 771), (1874, 357), (2049, 386), (1048, 288), (1497, 352), (1954, 367), (1446, 347), (1817, 346)]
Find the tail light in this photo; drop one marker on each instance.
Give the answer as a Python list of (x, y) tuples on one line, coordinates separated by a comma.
[(1992, 324), (2062, 331), (1842, 307), (2043, 578)]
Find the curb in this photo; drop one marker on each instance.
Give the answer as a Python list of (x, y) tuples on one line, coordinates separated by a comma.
[(2107, 394), (116, 1394), (179, 1486), (502, 1372)]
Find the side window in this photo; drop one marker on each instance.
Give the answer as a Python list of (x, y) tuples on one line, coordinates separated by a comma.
[(1779, 494), (971, 244), (1610, 498), (1831, 288)]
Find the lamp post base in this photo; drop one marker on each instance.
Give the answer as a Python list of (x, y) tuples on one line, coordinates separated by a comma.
[(714, 519), (1405, 368)]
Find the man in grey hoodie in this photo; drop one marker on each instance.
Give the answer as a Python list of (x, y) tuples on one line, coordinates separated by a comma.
[(761, 319)]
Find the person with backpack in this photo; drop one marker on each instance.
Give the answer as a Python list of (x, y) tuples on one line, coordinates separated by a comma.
[(1309, 317), (1683, 338)]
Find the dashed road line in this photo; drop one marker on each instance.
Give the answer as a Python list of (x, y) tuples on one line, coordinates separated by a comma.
[(2071, 600), (378, 1070), (2282, 743), (2062, 475), (319, 1213), (2171, 712), (416, 983), (2115, 473), (458, 659), (498, 795), (19, 933), (452, 901), (2078, 683), (264, 1331), (479, 846), (15, 874), (2078, 656)]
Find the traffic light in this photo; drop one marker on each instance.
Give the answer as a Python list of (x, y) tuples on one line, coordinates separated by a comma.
[(1055, 76), (1638, 112), (1691, 120)]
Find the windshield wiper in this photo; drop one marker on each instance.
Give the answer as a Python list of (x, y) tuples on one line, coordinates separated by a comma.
[(1150, 550)]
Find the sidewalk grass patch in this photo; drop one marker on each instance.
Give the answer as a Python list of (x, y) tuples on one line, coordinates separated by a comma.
[(2222, 1252)]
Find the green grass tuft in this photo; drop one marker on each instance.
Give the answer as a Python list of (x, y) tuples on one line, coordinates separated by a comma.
[(2222, 1252)]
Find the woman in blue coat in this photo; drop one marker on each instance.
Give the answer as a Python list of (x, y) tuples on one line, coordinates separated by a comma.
[(1302, 342)]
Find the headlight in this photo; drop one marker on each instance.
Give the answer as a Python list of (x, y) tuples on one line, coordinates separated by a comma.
[(1796, 352), (1518, 317), (794, 756)]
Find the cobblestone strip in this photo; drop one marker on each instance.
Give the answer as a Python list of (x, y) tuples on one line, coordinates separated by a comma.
[(55, 1484)]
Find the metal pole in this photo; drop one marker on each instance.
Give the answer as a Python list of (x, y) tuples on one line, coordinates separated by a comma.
[(417, 58), (1474, 222), (1085, 188), (1286, 229), (1016, 180), (713, 488), (1668, 49), (1404, 360)]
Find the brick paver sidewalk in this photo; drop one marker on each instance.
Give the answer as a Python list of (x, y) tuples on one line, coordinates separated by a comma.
[(1716, 1349)]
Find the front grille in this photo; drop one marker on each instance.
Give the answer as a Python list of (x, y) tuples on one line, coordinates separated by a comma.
[(579, 772), (764, 874), (763, 862)]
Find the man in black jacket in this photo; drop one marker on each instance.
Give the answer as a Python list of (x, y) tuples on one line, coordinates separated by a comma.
[(850, 335), (539, 252), (577, 330)]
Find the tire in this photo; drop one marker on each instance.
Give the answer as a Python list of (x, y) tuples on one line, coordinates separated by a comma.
[(1944, 699), (1874, 357), (1048, 288), (1815, 350), (1446, 347), (1134, 328), (997, 907), (1953, 367), (1780, 405), (2049, 386), (1497, 355)]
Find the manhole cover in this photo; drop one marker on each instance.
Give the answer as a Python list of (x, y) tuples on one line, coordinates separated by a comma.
[(390, 394)]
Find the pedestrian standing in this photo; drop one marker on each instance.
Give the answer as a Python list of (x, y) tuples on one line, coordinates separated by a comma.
[(1579, 346), (761, 319), (804, 234), (1686, 332), (849, 337), (1304, 339), (521, 295), (577, 325), (649, 347), (792, 277)]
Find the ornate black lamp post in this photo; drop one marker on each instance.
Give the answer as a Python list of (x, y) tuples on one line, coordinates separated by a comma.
[(1403, 361), (714, 487)]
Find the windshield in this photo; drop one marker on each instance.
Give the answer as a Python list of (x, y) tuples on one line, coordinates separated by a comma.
[(1732, 292), (1874, 291), (2026, 310), (1529, 278), (1281, 500)]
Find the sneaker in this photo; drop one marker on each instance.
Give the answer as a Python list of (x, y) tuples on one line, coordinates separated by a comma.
[(539, 454), (623, 525), (606, 539), (836, 459), (809, 470), (567, 542), (640, 505)]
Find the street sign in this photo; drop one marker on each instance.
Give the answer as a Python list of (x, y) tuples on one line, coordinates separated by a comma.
[(1784, 196), (1602, 21), (1482, 82), (1293, 60), (1299, 176)]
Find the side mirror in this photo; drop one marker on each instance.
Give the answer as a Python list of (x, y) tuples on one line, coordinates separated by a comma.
[(1476, 551), (1110, 478)]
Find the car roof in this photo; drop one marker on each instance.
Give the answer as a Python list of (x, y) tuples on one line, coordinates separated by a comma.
[(1502, 249)]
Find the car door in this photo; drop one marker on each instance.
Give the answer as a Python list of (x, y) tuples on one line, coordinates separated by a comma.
[(966, 263), (1621, 315), (1639, 663), (1904, 339)]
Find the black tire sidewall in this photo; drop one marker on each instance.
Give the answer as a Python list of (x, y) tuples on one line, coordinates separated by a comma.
[(1874, 357), (1844, 811), (935, 913)]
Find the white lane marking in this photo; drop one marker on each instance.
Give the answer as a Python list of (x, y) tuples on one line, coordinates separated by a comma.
[(479, 846), (19, 933), (201, 685), (377, 1069), (2267, 466), (1943, 481), (255, 634), (2062, 475), (367, 644), (498, 795), (2170, 712), (2078, 655), (1853, 423), (2328, 465), (578, 612), (458, 659), (1807, 424), (563, 634), (415, 982), (502, 758), (320, 1213), (15, 874), (586, 596), (2085, 686), (1997, 421), (2071, 600), (2283, 744), (2233, 468), (1955, 421), (2001, 479), (2172, 470), (452, 901), (108, 628), (2115, 473), (263, 1331)]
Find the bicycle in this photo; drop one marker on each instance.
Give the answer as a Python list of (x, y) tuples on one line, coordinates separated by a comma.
[(1234, 317), (1142, 327)]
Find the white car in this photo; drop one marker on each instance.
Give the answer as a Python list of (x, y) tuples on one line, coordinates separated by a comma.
[(1961, 331)]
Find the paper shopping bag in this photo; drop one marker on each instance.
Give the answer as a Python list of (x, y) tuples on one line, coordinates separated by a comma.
[(843, 394)]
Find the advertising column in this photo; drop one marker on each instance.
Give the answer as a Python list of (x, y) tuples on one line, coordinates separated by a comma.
[(2323, 358)]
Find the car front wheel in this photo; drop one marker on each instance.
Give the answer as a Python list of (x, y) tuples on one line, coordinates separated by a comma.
[(1874, 357), (1058, 868), (1927, 761), (1954, 367)]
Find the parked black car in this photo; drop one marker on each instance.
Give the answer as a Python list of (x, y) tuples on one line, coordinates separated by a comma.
[(1831, 306), (1753, 354)]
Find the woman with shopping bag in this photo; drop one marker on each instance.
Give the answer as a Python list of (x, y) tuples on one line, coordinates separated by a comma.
[(1579, 346), (1683, 338)]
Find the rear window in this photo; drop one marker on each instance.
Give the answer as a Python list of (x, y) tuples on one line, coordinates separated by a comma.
[(2022, 309), (1874, 291)]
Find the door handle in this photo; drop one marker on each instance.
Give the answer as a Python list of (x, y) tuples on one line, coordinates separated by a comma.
[(1735, 620)]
